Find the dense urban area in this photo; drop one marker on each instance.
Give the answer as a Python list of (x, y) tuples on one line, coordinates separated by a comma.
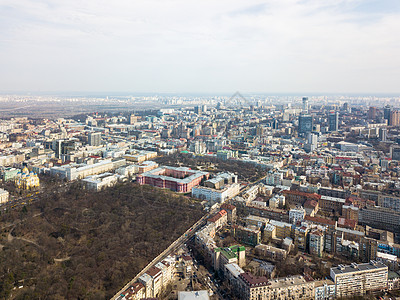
[(212, 197)]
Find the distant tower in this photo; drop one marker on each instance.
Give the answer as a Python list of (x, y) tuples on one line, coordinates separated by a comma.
[(383, 134), (305, 123), (333, 121), (94, 138), (372, 113), (275, 124), (305, 105), (133, 119), (386, 113)]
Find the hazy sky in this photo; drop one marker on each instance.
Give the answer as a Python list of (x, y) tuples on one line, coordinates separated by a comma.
[(200, 46)]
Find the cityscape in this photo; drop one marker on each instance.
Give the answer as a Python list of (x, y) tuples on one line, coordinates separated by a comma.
[(299, 197), (199, 150)]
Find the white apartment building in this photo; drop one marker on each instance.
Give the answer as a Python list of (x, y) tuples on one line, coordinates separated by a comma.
[(297, 214), (274, 178), (98, 182), (4, 195), (324, 290), (72, 172), (209, 194), (358, 279)]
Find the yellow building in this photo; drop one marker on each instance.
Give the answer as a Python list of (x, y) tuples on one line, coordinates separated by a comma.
[(26, 180)]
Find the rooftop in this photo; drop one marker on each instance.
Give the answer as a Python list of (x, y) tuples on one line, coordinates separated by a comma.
[(373, 265), (253, 280), (194, 295)]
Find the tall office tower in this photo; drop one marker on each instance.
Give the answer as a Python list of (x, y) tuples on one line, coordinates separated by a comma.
[(275, 124), (383, 134), (200, 109), (386, 113), (305, 123), (57, 147), (94, 138), (333, 121), (394, 118), (63, 147), (345, 106), (312, 142), (372, 113), (305, 105)]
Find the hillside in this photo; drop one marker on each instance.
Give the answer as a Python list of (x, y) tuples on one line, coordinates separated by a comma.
[(86, 245)]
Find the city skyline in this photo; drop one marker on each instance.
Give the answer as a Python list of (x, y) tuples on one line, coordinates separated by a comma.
[(288, 46)]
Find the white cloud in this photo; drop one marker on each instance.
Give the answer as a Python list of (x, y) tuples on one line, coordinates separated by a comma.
[(198, 46)]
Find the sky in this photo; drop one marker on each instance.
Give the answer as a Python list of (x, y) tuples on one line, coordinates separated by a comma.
[(202, 46)]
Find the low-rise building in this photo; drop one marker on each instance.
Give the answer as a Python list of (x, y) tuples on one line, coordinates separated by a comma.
[(216, 195), (180, 179), (101, 181)]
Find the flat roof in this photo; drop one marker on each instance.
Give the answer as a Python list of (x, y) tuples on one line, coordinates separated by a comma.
[(358, 267), (195, 295), (234, 269)]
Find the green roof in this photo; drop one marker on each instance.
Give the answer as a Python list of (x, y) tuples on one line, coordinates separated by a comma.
[(237, 248), (227, 252), (230, 252)]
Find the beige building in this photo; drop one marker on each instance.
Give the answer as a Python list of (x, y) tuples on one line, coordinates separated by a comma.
[(135, 292), (260, 288), (359, 279), (140, 156), (4, 196), (270, 252)]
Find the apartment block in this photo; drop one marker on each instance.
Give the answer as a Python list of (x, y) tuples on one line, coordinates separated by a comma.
[(260, 288), (331, 204), (250, 235), (389, 201), (379, 217), (316, 242), (216, 195), (270, 252), (228, 255), (4, 195), (359, 279)]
